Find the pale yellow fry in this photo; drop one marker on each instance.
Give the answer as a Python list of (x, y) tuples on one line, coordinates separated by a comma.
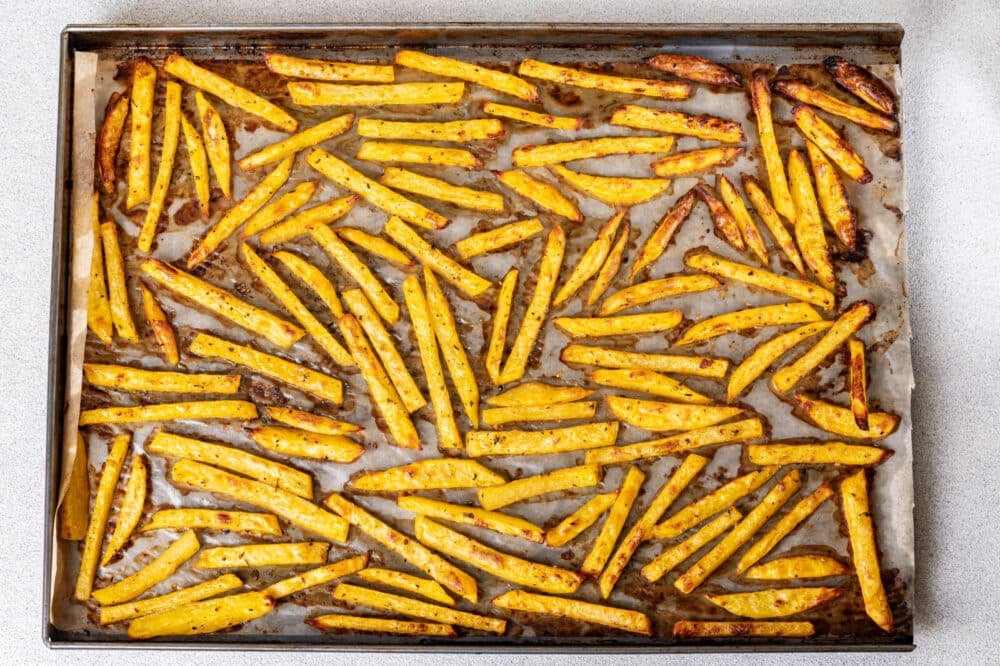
[(532, 117), (609, 270), (781, 314), (457, 69), (669, 446), (324, 213), (545, 195), (840, 420), (376, 245), (857, 383), (647, 381), (109, 139), (658, 241), (392, 151), (801, 91), (614, 523), (435, 259), (313, 577), (540, 442), (796, 568), (216, 143), (130, 510), (762, 278), (620, 84), (574, 609), (754, 365), (864, 549), (305, 444), (203, 617), (229, 92), (307, 93), (788, 522), (98, 306), (75, 505), (501, 319), (358, 270), (160, 325), (704, 127), (278, 209), (738, 209), (577, 522), (840, 152), (429, 474), (832, 197), (468, 515), (496, 497), (455, 357), (324, 70), (171, 136), (263, 524), (381, 625), (691, 162), (125, 378), (169, 411), (498, 238), (763, 604), (121, 315), (140, 133), (185, 595), (567, 411), (354, 595), (435, 188), (166, 563), (700, 366), (584, 149), (314, 278), (534, 394), (297, 142), (809, 235), (317, 423), (654, 290), (672, 557), (591, 261), (824, 453), (663, 416), (760, 102), (262, 555), (617, 191), (769, 216), (455, 130), (425, 587), (742, 629)]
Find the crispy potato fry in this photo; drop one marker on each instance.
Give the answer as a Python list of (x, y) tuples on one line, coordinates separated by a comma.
[(435, 188), (429, 474), (725, 223), (763, 604), (577, 522), (609, 270), (266, 471), (166, 563), (674, 556), (168, 150), (620, 84), (835, 147), (297, 142), (614, 523), (498, 331), (457, 69), (840, 421), (455, 356), (583, 149), (800, 512), (199, 77), (534, 316), (216, 143), (377, 246), (140, 133), (658, 241), (317, 576), (203, 617), (324, 70), (314, 278), (701, 366), (373, 288), (823, 453), (279, 209), (833, 197), (75, 502), (262, 555), (98, 306), (567, 411), (647, 381), (467, 515), (381, 625), (738, 210), (308, 93), (754, 365), (616, 191), (324, 213), (532, 117), (99, 517), (685, 164), (305, 444), (541, 193), (130, 510), (393, 151), (425, 587), (696, 68), (263, 524), (760, 102), (592, 260), (574, 609), (125, 378), (769, 216), (160, 326), (496, 497), (169, 411), (662, 416), (861, 83), (704, 127), (809, 234), (109, 139), (455, 130), (802, 92), (758, 277), (435, 259), (598, 327), (498, 238), (354, 595), (654, 290), (540, 442), (857, 382), (781, 314), (406, 547), (693, 629), (666, 446), (797, 567), (536, 394), (185, 595), (864, 549), (121, 315), (296, 418)]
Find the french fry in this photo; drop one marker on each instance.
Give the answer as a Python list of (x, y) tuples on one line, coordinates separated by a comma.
[(455, 356), (647, 381), (393, 151), (797, 567), (758, 277), (498, 331), (354, 595), (835, 147), (467, 515), (825, 453), (435, 188), (788, 522), (317, 576), (833, 197), (857, 382), (266, 471), (693, 629), (377, 246), (324, 70), (169, 411), (577, 522), (840, 421), (662, 416), (613, 190), (296, 418), (764, 604), (455, 130), (305, 444), (263, 524), (567, 411), (738, 210), (160, 325), (435, 259), (121, 315), (674, 556), (171, 136), (303, 378), (358, 270), (314, 278), (498, 238), (861, 83), (696, 68), (130, 510), (125, 378), (99, 513), (279, 209), (802, 92), (760, 102), (406, 547), (584, 149), (654, 290), (864, 550), (185, 595), (666, 446), (109, 139), (853, 318), (704, 127), (297, 142), (140, 133), (725, 223), (574, 609), (598, 327), (425, 587), (203, 617), (620, 84), (534, 316), (614, 523), (298, 224), (754, 365), (537, 394), (609, 270), (738, 320), (429, 474), (241, 212), (658, 241), (262, 555), (809, 234), (308, 93), (457, 69), (199, 77), (591, 261), (769, 216), (380, 625), (98, 307), (75, 504), (532, 117), (496, 497), (787, 486), (701, 366), (166, 563), (540, 442), (682, 165), (541, 193), (216, 139)]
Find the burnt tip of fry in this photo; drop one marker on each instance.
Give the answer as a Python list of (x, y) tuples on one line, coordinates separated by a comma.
[(861, 83), (696, 68)]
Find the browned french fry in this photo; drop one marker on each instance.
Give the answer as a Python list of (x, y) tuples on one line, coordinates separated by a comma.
[(317, 576), (840, 421), (168, 411), (754, 365), (769, 216), (110, 137), (380, 625), (862, 83), (763, 604), (796, 568), (864, 549), (647, 381), (121, 314), (603, 357), (262, 555), (305, 444), (597, 327), (732, 322), (654, 290), (809, 234), (760, 101), (696, 68), (130, 510), (140, 133), (540, 442), (695, 161), (498, 238), (376, 245), (545, 195), (435, 188), (574, 609), (742, 629), (298, 224), (98, 306), (158, 570), (354, 595), (314, 278), (609, 270), (264, 524), (658, 241), (620, 84), (577, 522), (537, 394), (467, 515), (203, 617), (278, 209), (297, 142), (664, 416), (759, 277), (613, 523), (455, 130), (324, 70), (75, 503), (496, 497), (800, 512), (160, 325), (583, 149), (687, 441), (376, 292), (216, 143), (725, 224), (592, 260), (501, 319), (455, 357), (857, 381), (800, 91), (308, 93), (835, 147), (674, 556), (738, 209), (567, 411), (393, 151), (168, 150), (428, 255), (833, 197), (323, 425), (185, 595), (425, 587), (707, 128), (457, 69), (429, 474), (614, 190)]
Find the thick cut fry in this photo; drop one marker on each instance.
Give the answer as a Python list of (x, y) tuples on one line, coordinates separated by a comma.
[(317, 576), (809, 234), (801, 511), (853, 318), (824, 453), (125, 378), (305, 444), (668, 446), (140, 133), (425, 587), (800, 91), (864, 550), (324, 70), (216, 143), (435, 188), (377, 246), (75, 504), (609, 270), (701, 366), (619, 84), (835, 147), (185, 595), (110, 137), (171, 136), (769, 216), (725, 224), (796, 568), (315, 279), (613, 523), (406, 547), (759, 277), (457, 69), (674, 556), (754, 365), (317, 423), (733, 322), (498, 332), (307, 93), (598, 327), (298, 224), (433, 258), (862, 83), (536, 394), (429, 474), (278, 209), (567, 411), (534, 316), (203, 617), (663, 416), (121, 315), (199, 77), (532, 117), (616, 191), (160, 326), (262, 555), (584, 149), (169, 411), (263, 524), (496, 497), (99, 517), (686, 164), (498, 238), (738, 210), (392, 151), (658, 241), (696, 68), (787, 486), (297, 142), (354, 595), (352, 623), (857, 382), (130, 510), (574, 609), (760, 102), (840, 421), (693, 629), (654, 290), (647, 381), (467, 515), (541, 193), (455, 356), (455, 130), (833, 197), (707, 128), (158, 570), (266, 471), (540, 442), (592, 260), (577, 522), (763, 604), (98, 306)]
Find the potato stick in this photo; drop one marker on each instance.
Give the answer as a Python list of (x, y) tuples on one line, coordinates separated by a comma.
[(317, 423), (467, 515), (781, 314), (674, 486), (429, 474), (393, 151), (534, 316), (759, 277), (760, 102), (498, 332), (647, 381), (835, 147), (857, 383), (725, 223), (425, 587), (769, 216), (423, 329), (75, 503), (577, 522), (619, 84), (241, 212), (864, 549), (669, 446), (140, 133), (160, 326), (435, 259), (598, 327), (377, 246), (682, 165), (457, 69), (740, 534), (592, 260), (262, 555), (832, 197), (824, 453), (99, 513), (704, 127), (435, 188), (742, 629), (861, 83), (840, 421), (306, 319), (166, 563), (130, 510), (797, 567), (455, 356), (800, 91), (307, 93), (696, 68), (98, 306), (296, 510), (754, 365), (279, 209), (496, 497), (853, 318), (307, 138), (502, 565), (788, 522), (532, 117), (540, 442), (263, 524), (121, 315), (171, 135), (125, 378), (199, 77), (295, 375), (109, 139), (574, 609), (536, 394), (324, 213), (568, 411), (672, 557), (654, 290), (324, 70), (738, 209), (809, 234), (313, 577), (216, 143), (498, 238), (169, 411), (616, 191), (541, 193), (185, 595), (358, 270), (266, 471), (613, 525), (609, 270), (354, 595), (203, 617), (763, 604), (383, 393), (352, 623), (583, 149), (701, 366), (409, 549), (658, 241), (305, 444), (663, 416), (314, 278), (456, 130)]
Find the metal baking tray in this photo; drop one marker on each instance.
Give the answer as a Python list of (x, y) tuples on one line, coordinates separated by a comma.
[(866, 44)]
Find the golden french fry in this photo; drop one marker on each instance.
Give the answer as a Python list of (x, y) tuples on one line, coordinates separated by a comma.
[(455, 130), (455, 357), (130, 510), (658, 241), (574, 609), (802, 92), (592, 260), (376, 245), (763, 604), (619, 84), (98, 306), (435, 188), (861, 83), (809, 234), (738, 210), (726, 225), (760, 102), (835, 147), (701, 366), (769, 216), (429, 474), (435, 259), (687, 441), (263, 524), (498, 238), (654, 290), (496, 497), (467, 515), (797, 567), (262, 555), (296, 418), (864, 549), (732, 322), (833, 197), (672, 557), (125, 378), (317, 576), (824, 453), (536, 394), (376, 292), (598, 327), (759, 277), (355, 595), (160, 325), (308, 93), (457, 69), (381, 625), (110, 137), (168, 150), (324, 70), (393, 151), (743, 629), (656, 415), (532, 117), (857, 382), (754, 365), (169, 411), (203, 617), (647, 381), (609, 270), (567, 411), (314, 278), (583, 149), (707, 128), (616, 191), (305, 444), (841, 421), (121, 315), (802, 510), (498, 332), (613, 523), (425, 587), (216, 143), (577, 522), (685, 164), (297, 142), (324, 213), (696, 68), (185, 595), (140, 133), (541, 193), (278, 209), (540, 442), (75, 504), (166, 563)]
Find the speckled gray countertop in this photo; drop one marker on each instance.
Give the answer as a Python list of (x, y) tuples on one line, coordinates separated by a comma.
[(951, 67)]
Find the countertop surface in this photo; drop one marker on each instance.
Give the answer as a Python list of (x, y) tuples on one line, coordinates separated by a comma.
[(951, 69)]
